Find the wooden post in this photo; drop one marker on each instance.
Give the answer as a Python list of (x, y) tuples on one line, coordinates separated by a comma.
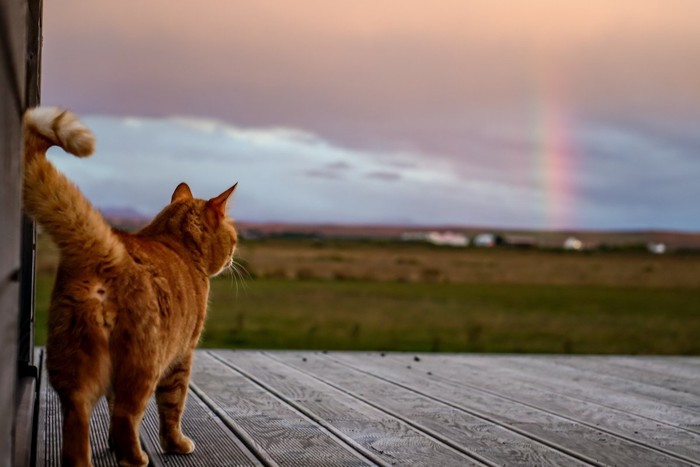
[(20, 45), (28, 251)]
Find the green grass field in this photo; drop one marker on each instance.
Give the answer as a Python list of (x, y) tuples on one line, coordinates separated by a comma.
[(453, 317), (383, 297)]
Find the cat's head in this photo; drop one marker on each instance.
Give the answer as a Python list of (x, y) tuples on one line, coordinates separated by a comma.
[(204, 226)]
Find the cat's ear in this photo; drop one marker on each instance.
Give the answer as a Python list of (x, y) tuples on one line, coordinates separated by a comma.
[(218, 204), (181, 193)]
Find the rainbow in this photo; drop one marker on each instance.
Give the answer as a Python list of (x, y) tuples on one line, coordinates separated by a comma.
[(554, 154)]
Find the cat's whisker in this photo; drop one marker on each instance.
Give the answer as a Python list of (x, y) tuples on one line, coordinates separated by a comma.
[(232, 274), (241, 269), (236, 271), (229, 270)]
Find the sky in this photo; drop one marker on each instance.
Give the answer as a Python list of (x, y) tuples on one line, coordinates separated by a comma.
[(536, 114)]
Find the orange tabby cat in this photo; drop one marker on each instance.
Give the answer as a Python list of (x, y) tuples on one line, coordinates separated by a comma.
[(127, 309)]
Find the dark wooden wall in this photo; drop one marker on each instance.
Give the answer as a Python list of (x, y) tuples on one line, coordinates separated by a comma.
[(20, 37)]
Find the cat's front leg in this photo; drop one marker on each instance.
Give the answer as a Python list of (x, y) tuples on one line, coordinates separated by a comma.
[(131, 395), (171, 394)]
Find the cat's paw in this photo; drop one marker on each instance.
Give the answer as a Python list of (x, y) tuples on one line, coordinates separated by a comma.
[(180, 445), (139, 461)]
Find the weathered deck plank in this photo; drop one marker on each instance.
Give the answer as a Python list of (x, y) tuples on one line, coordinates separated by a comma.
[(599, 374), (214, 443), (660, 365), (592, 445), (368, 429), (671, 440), (644, 372), (646, 401), (465, 431), (279, 431), (249, 408)]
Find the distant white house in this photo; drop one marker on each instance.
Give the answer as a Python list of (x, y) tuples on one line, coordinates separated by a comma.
[(485, 240), (437, 238), (656, 248), (447, 239), (573, 244)]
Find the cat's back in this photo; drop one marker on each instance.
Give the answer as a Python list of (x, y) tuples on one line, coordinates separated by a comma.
[(162, 266), (153, 257)]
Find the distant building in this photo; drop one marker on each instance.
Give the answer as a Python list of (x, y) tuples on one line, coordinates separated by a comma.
[(485, 240), (448, 239), (656, 248), (573, 244), (437, 238)]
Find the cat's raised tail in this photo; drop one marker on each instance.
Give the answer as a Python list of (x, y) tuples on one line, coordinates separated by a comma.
[(52, 200)]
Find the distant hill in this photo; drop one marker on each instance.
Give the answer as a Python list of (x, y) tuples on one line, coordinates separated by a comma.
[(124, 218), (590, 238), (130, 219)]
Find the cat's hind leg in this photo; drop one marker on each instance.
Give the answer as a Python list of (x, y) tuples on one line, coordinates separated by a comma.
[(78, 390), (171, 394), (76, 431), (78, 368)]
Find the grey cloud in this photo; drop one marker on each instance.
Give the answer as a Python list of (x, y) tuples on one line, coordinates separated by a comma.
[(339, 165), (321, 173), (386, 176)]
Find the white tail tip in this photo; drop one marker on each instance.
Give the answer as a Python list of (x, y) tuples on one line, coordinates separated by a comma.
[(62, 128)]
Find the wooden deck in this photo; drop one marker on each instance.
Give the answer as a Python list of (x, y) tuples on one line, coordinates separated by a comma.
[(350, 409)]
